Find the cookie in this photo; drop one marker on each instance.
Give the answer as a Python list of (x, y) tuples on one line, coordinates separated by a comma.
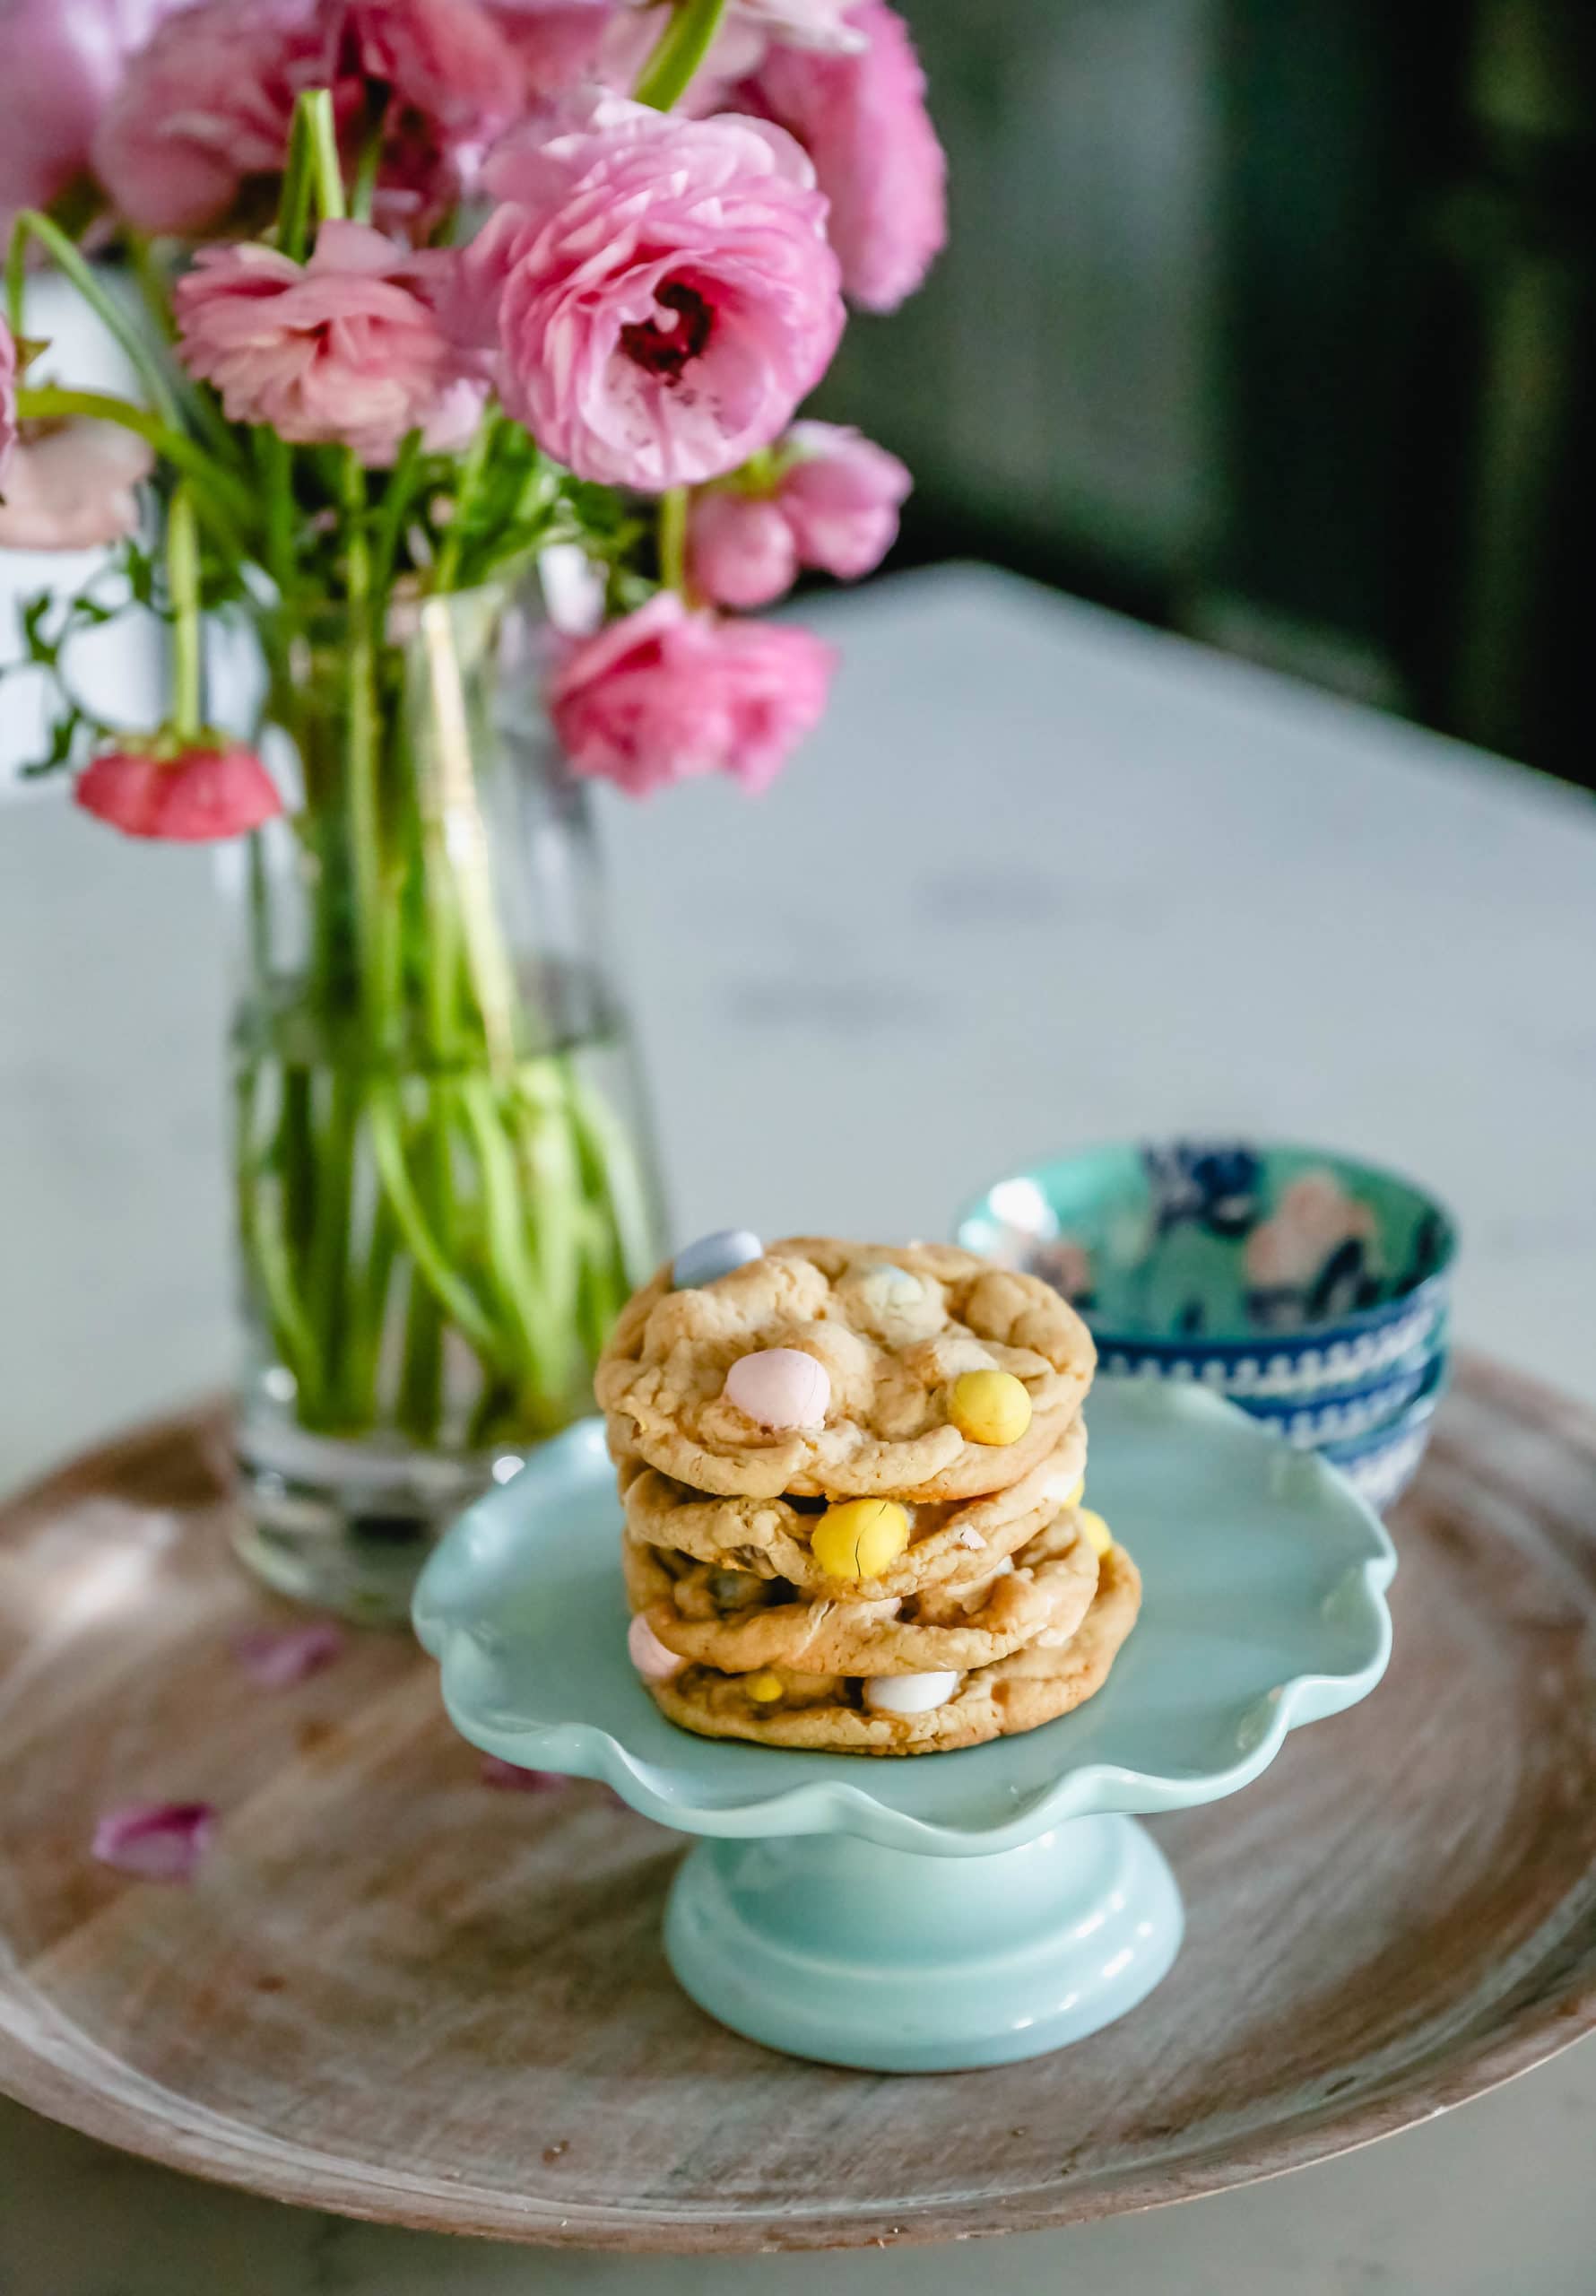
[(956, 1541), (893, 1330), (826, 1713), (737, 1622)]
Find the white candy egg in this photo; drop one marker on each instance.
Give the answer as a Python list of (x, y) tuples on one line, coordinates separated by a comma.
[(909, 1694)]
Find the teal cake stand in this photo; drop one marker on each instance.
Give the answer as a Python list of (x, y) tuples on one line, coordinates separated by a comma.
[(945, 1910)]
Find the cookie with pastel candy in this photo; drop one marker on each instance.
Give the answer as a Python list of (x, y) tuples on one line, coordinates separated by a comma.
[(853, 1479), (895, 1329)]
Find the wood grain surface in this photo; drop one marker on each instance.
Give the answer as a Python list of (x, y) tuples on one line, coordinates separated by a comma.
[(395, 1992)]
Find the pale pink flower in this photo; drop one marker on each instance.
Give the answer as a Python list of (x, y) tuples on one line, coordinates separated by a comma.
[(863, 120), (664, 695), (158, 1841), (72, 486), (662, 291), (740, 551), (207, 106), (742, 41), (62, 60), (192, 797), (841, 496), (8, 395), (278, 1657), (448, 59), (819, 24), (344, 349)]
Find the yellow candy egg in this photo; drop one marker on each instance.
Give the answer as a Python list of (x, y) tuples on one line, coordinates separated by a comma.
[(1093, 1527), (990, 1407), (860, 1537), (763, 1687)]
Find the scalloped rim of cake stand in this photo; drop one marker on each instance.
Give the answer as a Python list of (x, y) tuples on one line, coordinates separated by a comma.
[(487, 1555)]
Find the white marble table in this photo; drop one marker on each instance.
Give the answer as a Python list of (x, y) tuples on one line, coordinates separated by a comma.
[(1045, 876)]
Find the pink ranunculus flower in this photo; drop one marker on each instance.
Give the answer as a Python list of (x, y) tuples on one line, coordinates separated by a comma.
[(207, 106), (862, 119), (841, 496), (666, 695), (8, 396), (212, 789), (62, 61), (661, 292), (740, 548), (345, 350), (448, 59), (72, 486)]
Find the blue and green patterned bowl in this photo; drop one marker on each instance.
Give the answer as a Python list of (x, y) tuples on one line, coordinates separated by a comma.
[(1309, 1287)]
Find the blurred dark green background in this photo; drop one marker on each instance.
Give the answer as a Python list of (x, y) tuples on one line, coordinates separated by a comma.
[(1271, 320)]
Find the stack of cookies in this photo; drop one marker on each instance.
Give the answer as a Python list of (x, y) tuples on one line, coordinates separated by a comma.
[(853, 1479)]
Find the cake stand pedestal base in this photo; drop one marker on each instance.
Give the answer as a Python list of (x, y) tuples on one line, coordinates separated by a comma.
[(833, 1947)]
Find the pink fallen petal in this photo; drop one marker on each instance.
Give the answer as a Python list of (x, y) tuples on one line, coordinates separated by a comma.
[(276, 1658), (159, 1842), (509, 1777)]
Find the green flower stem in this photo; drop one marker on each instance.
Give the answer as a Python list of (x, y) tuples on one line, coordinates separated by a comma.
[(398, 498), (294, 206), (183, 580), (680, 48), (672, 539), (143, 360), (16, 281), (445, 574), (388, 1143), (327, 166), (365, 824)]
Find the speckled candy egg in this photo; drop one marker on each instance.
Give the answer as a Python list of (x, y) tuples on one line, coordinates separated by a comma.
[(713, 1256), (780, 1387), (649, 1655)]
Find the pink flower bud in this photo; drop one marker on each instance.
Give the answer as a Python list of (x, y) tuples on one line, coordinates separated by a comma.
[(740, 550), (841, 498)]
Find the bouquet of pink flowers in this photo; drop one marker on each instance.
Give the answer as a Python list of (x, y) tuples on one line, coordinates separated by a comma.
[(431, 287)]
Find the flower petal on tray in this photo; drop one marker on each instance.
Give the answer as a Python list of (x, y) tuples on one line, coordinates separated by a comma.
[(276, 1658), (160, 1841), (511, 1779)]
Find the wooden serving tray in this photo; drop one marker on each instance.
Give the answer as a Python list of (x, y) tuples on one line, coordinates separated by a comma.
[(395, 1992)]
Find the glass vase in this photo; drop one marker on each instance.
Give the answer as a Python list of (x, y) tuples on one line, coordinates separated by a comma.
[(446, 1188)]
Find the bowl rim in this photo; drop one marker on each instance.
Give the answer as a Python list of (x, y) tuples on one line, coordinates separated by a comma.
[(1351, 1451), (1429, 1293)]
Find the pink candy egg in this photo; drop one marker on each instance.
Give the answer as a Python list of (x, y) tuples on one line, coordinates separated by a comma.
[(780, 1387), (649, 1655)]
